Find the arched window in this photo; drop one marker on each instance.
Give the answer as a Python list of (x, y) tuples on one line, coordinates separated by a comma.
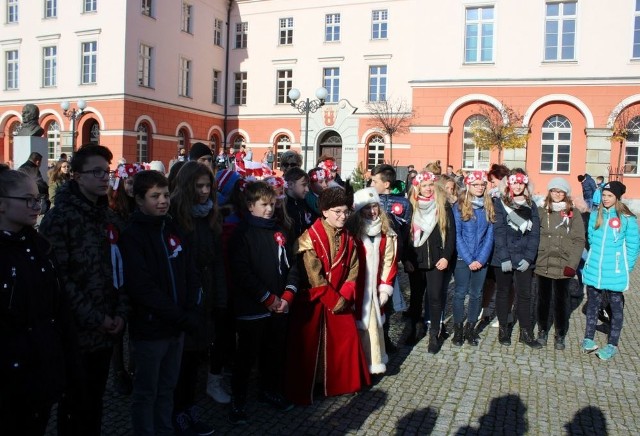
[(13, 130), (94, 133), (631, 147), (215, 143), (53, 140), (283, 143), (183, 139), (555, 145), (142, 143), (238, 142), (472, 157), (375, 151)]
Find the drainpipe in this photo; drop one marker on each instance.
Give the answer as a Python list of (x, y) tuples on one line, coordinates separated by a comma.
[(226, 79)]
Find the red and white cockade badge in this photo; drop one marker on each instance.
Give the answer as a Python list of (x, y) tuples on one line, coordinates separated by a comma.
[(281, 240), (564, 214), (565, 219), (615, 224), (174, 246), (397, 208)]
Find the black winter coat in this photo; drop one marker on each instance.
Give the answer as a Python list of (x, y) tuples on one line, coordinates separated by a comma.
[(513, 245), (301, 215), (39, 343), (428, 254), (162, 282)]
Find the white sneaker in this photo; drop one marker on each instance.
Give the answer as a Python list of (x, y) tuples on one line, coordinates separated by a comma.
[(215, 389)]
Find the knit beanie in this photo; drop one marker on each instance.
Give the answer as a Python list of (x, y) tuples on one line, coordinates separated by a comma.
[(198, 150), (157, 165), (365, 197), (616, 188), (226, 180), (559, 183)]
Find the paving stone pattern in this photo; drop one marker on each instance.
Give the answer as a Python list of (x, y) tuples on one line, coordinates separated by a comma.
[(489, 389)]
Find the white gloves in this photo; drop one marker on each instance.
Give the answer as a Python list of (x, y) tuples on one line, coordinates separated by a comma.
[(523, 265), (506, 266)]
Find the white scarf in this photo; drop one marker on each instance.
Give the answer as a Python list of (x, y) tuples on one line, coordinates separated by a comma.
[(424, 221), (372, 227), (515, 221), (559, 207)]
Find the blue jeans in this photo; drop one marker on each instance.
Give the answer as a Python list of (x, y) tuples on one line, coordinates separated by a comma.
[(157, 369), (467, 283)]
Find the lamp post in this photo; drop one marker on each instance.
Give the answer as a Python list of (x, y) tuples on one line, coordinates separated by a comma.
[(74, 115), (305, 107)]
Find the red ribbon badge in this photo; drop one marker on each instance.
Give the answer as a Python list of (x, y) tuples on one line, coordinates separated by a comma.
[(564, 214), (279, 238), (614, 223), (397, 208)]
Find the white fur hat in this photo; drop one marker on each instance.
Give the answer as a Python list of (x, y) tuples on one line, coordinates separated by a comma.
[(364, 197), (157, 165)]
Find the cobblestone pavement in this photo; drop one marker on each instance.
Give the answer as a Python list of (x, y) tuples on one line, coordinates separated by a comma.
[(489, 389)]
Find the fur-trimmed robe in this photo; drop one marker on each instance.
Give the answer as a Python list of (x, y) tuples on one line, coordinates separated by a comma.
[(378, 269), (324, 347)]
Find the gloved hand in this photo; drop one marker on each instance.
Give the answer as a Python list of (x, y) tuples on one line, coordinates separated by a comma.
[(506, 266), (523, 265), (383, 297)]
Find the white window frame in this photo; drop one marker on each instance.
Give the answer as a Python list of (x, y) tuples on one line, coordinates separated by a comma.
[(186, 23), (331, 82), (145, 65), (332, 27), (50, 8), (377, 73), (479, 158), (12, 11), (375, 151), (12, 69), (483, 42), (89, 64), (147, 8), (285, 83), (53, 140), (286, 31), (380, 24), (215, 87), (49, 66), (185, 83), (283, 143), (242, 34), (240, 88), (89, 6), (142, 143), (557, 127), (217, 31), (632, 148), (635, 50), (562, 21)]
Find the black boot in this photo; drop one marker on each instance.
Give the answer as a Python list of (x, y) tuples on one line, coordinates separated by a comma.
[(542, 337), (526, 337), (471, 335), (559, 345), (443, 332), (434, 343), (458, 337), (504, 334), (412, 338)]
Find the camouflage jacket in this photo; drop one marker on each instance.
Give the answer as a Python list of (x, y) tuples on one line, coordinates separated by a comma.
[(77, 229)]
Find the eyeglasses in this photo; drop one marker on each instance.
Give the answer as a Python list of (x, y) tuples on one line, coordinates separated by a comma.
[(32, 202), (340, 213), (556, 191), (289, 164), (478, 185), (98, 173)]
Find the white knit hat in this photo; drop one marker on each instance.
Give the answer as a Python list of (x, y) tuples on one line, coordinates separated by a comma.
[(364, 197), (157, 165), (559, 183)]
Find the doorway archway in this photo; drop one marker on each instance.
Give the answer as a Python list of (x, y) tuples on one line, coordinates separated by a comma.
[(331, 145)]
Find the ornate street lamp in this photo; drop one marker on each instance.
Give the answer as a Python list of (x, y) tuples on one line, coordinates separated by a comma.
[(304, 107), (74, 115)]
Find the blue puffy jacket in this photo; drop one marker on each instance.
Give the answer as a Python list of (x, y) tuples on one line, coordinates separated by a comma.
[(474, 238), (512, 244), (613, 252)]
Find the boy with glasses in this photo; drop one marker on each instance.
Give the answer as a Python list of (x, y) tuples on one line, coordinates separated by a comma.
[(83, 232), (290, 159)]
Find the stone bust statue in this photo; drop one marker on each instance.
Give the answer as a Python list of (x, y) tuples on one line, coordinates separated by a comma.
[(30, 118)]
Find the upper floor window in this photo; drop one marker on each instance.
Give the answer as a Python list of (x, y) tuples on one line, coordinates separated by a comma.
[(89, 62), (187, 21), (145, 58), (242, 30), (375, 151), (632, 146), (11, 69), (90, 6), (49, 66), (479, 35), (377, 83), (12, 11), (379, 23), (217, 32), (184, 87), (560, 31), (555, 145), (473, 158), (285, 83), (332, 27), (636, 31), (331, 83), (215, 97), (240, 94), (286, 31), (50, 8), (147, 8)]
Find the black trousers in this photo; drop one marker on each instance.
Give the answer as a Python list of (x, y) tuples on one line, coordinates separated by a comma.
[(556, 292), (522, 284), (80, 409), (422, 280)]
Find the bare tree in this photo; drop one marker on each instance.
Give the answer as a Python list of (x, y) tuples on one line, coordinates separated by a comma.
[(620, 132), (501, 129), (391, 116)]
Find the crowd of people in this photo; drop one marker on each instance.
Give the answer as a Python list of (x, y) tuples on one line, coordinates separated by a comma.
[(296, 274)]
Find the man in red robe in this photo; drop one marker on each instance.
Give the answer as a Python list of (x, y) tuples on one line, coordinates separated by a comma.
[(324, 346)]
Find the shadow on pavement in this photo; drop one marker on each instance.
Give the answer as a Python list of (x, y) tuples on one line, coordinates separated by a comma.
[(418, 422), (352, 415), (589, 420), (507, 415)]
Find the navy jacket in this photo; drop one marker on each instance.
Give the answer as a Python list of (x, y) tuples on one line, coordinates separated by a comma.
[(513, 245)]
